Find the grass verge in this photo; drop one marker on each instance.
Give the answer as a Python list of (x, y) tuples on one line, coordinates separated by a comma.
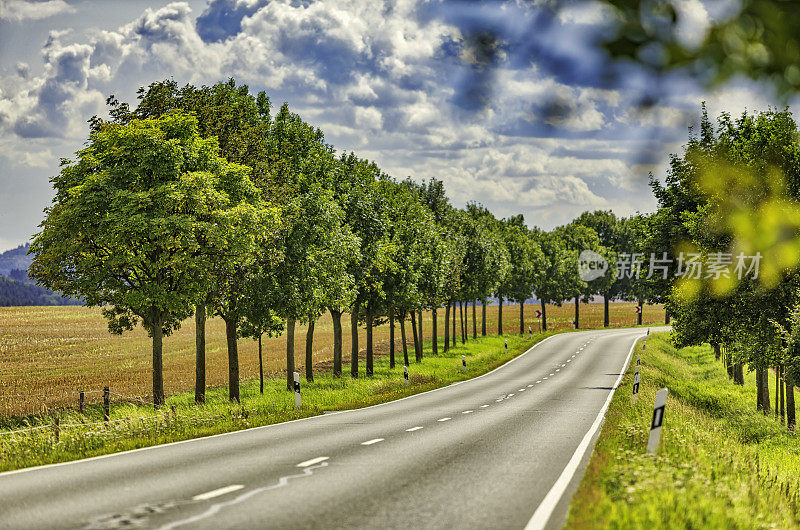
[(134, 425), (721, 464)]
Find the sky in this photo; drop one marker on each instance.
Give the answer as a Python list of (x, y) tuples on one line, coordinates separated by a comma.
[(525, 121)]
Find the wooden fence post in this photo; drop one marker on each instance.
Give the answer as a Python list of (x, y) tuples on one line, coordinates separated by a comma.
[(106, 404)]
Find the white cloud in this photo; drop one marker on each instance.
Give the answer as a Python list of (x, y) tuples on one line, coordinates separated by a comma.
[(20, 10)]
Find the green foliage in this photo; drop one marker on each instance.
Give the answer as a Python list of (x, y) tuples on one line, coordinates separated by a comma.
[(137, 217)]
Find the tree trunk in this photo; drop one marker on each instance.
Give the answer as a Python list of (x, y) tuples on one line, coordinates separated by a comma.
[(391, 337), (790, 411), (200, 354), (421, 340), (500, 315), (354, 342), (233, 359), (759, 389), (640, 314), (738, 372), (474, 319), (666, 317), (522, 318), (461, 314), (434, 332), (455, 317), (605, 311), (158, 363), (777, 392), (336, 316), (729, 359), (403, 337), (783, 388), (577, 311), (290, 354), (310, 350), (415, 333), (370, 352), (260, 366), (716, 352), (544, 316), (483, 317), (765, 381), (447, 327)]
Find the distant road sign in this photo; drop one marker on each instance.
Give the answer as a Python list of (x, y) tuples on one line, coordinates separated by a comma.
[(637, 309), (537, 313)]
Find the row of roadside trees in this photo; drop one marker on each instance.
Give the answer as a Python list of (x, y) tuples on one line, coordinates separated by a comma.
[(206, 201)]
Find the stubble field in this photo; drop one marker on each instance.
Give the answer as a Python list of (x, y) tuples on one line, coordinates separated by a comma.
[(48, 354)]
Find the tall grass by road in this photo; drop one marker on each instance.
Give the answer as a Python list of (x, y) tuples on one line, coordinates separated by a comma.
[(721, 464)]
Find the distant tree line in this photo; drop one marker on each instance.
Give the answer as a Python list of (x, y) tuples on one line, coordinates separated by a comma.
[(208, 201)]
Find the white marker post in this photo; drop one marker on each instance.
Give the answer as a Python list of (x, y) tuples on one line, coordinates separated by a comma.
[(463, 363), (405, 373), (296, 390), (506, 346), (635, 394), (658, 420)]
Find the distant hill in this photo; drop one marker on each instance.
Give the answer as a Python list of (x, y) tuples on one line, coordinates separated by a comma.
[(15, 287), (15, 259), (16, 293)]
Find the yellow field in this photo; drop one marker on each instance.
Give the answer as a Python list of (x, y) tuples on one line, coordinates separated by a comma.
[(48, 354)]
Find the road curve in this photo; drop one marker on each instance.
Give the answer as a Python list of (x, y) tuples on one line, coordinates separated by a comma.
[(483, 453)]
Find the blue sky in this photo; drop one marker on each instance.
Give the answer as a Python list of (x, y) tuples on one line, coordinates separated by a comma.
[(525, 123)]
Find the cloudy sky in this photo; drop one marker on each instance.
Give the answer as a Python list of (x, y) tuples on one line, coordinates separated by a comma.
[(527, 122)]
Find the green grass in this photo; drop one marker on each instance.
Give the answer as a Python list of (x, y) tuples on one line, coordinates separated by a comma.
[(137, 425), (721, 464)]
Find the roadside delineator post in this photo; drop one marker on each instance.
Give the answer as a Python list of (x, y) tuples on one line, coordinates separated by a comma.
[(56, 428), (296, 390), (657, 421), (106, 403), (506, 346), (81, 398), (405, 373), (635, 394), (463, 363)]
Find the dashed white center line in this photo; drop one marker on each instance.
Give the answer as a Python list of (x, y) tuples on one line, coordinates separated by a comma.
[(563, 365), (312, 461), (551, 375), (558, 369), (521, 390), (467, 412), (539, 381), (444, 419), (510, 395), (498, 400), (545, 379), (484, 406), (217, 492), (373, 441), (530, 386), (569, 360), (412, 429)]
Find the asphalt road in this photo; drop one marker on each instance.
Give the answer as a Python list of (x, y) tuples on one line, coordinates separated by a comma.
[(485, 453)]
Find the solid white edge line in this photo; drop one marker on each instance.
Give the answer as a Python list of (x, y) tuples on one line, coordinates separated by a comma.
[(312, 461), (373, 441), (276, 425), (216, 493), (542, 514)]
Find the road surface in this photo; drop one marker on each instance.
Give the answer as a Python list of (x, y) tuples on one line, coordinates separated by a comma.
[(485, 453)]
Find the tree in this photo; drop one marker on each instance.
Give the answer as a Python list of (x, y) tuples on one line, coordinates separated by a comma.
[(527, 265), (135, 221)]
